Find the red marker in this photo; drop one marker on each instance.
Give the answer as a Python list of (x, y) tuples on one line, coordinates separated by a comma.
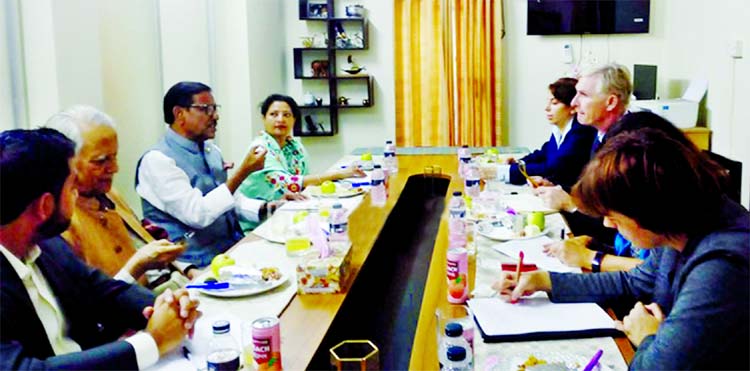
[(518, 271)]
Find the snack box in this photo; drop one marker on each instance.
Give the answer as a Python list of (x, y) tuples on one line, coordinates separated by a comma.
[(324, 276)]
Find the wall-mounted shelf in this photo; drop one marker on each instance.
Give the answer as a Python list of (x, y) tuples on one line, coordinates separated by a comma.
[(317, 65)]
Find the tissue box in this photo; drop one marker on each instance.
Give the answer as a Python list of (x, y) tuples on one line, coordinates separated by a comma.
[(324, 276)]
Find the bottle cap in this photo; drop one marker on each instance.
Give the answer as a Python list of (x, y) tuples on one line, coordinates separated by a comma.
[(337, 206), (377, 166), (465, 146), (388, 142), (454, 329), (457, 193), (456, 354), (221, 327)]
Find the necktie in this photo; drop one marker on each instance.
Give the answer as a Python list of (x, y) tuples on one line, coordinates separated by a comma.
[(595, 146)]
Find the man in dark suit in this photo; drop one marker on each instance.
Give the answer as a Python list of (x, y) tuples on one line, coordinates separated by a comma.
[(56, 311), (602, 98)]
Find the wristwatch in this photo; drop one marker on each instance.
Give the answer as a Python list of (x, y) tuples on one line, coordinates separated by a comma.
[(596, 263)]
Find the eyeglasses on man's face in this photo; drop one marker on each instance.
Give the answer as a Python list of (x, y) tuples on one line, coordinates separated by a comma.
[(208, 109)]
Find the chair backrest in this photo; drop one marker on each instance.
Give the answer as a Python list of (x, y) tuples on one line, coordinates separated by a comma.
[(734, 170)]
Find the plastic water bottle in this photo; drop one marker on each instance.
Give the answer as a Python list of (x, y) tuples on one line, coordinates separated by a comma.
[(377, 192), (224, 352), (464, 157), (390, 162), (454, 338), (338, 224), (456, 222), (471, 180), (456, 360)]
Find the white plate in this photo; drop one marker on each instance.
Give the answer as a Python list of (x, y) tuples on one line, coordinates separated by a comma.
[(341, 192), (244, 291), (555, 361), (494, 231)]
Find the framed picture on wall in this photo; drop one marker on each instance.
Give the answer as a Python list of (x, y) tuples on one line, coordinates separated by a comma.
[(317, 9)]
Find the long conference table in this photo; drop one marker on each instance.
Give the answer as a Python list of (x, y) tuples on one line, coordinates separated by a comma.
[(307, 319)]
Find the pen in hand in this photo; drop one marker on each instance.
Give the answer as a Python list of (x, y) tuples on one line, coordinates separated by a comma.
[(518, 271), (594, 360)]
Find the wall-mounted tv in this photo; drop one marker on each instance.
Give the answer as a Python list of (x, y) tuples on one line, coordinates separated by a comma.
[(563, 17)]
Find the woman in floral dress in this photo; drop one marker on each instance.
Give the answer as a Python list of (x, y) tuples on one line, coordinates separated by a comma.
[(286, 168)]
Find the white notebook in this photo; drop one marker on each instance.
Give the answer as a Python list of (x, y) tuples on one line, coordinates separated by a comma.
[(536, 318), (533, 252)]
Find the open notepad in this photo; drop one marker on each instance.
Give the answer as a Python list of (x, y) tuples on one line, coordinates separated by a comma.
[(536, 318), (534, 254)]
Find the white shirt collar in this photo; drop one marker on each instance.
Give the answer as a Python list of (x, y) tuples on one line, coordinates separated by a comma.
[(21, 267), (600, 136), (560, 134)]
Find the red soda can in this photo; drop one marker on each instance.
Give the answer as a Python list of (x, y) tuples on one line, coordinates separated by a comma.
[(267, 344), (457, 273)]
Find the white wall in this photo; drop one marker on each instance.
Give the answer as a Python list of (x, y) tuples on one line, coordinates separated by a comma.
[(6, 92), (122, 55), (131, 82), (358, 127), (688, 39)]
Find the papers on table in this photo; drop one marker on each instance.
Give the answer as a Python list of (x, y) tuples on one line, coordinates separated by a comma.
[(534, 254), (526, 202), (537, 318)]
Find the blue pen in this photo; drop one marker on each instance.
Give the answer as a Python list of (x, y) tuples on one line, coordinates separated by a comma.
[(594, 360), (209, 286)]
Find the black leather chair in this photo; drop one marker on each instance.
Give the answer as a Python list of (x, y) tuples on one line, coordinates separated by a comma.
[(734, 171)]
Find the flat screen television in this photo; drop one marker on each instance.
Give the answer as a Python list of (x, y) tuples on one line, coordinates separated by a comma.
[(564, 17)]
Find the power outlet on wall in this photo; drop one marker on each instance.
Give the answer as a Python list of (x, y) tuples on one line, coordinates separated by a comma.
[(567, 53)]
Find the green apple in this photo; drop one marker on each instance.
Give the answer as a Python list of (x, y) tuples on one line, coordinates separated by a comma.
[(328, 187), (535, 218), (492, 152), (220, 261), (367, 156)]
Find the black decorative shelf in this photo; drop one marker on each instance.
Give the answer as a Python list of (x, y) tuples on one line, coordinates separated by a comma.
[(319, 64)]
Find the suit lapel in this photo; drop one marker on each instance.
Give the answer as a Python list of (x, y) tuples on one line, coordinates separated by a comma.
[(23, 311)]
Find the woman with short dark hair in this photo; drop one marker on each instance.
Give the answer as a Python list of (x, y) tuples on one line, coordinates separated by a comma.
[(563, 156), (657, 191)]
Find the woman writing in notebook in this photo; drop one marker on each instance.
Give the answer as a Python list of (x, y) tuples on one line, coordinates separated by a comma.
[(692, 310)]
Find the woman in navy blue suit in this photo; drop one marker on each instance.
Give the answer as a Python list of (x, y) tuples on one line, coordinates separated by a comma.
[(563, 156)]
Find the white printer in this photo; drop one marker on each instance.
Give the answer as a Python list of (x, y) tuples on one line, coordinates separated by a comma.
[(682, 112)]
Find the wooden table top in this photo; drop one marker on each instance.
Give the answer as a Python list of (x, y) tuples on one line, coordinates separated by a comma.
[(307, 318)]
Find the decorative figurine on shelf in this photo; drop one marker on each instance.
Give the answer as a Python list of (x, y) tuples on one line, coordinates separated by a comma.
[(343, 101), (310, 124), (319, 68), (358, 41), (342, 39), (318, 101), (355, 11), (308, 99), (317, 10), (365, 102), (308, 41), (353, 67)]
